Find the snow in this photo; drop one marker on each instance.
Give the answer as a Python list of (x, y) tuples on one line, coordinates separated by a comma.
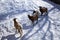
[(47, 28)]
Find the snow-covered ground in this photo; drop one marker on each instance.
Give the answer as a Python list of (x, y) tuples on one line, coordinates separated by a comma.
[(47, 28)]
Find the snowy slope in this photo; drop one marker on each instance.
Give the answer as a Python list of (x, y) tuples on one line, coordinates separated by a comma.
[(47, 28)]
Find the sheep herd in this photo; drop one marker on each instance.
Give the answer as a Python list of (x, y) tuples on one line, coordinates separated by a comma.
[(34, 17)]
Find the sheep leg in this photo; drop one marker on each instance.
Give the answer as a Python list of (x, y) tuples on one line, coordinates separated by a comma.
[(41, 13), (37, 21), (20, 31), (33, 23), (47, 12)]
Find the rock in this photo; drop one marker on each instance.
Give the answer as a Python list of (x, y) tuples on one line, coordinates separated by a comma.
[(56, 1)]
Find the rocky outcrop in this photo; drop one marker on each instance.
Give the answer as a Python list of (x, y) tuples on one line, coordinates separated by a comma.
[(56, 1)]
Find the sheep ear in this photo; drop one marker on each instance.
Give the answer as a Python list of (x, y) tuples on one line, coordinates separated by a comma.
[(14, 18)]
